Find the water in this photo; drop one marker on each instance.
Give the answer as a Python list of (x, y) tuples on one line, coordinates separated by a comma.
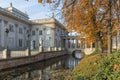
[(40, 70)]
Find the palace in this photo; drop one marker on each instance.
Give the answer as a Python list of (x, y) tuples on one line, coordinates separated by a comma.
[(17, 32)]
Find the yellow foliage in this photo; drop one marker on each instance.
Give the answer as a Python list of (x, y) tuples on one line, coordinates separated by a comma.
[(49, 1), (40, 1), (115, 67)]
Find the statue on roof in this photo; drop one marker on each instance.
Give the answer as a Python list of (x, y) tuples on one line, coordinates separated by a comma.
[(11, 4)]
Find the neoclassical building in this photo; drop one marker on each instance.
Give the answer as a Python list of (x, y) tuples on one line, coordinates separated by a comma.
[(18, 32)]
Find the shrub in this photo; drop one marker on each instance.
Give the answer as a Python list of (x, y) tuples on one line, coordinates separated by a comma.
[(94, 67)]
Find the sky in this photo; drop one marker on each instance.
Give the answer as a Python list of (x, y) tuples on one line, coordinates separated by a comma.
[(34, 9)]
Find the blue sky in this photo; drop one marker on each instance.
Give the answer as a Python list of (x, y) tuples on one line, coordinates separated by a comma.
[(34, 9)]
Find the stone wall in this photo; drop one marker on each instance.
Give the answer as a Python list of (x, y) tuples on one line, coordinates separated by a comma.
[(15, 62)]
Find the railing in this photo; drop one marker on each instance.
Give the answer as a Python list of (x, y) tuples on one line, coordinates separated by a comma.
[(22, 53), (18, 53)]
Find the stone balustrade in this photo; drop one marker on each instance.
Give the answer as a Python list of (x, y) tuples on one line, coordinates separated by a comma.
[(14, 54)]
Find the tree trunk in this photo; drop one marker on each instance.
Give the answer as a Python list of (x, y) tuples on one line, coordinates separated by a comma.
[(109, 44), (116, 42), (100, 46), (110, 28)]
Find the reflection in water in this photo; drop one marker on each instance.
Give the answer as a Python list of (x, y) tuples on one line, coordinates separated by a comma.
[(72, 62), (40, 70)]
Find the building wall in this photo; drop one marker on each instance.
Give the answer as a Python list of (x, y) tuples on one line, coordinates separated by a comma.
[(14, 35), (24, 33), (51, 33), (47, 35)]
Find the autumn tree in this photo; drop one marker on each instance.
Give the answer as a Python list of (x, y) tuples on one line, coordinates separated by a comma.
[(86, 17), (97, 19)]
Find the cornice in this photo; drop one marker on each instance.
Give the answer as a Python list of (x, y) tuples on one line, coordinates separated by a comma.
[(9, 14)]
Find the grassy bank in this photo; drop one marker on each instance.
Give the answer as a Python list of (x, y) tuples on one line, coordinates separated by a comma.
[(97, 67)]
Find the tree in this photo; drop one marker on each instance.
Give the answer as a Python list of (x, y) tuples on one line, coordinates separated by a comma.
[(95, 18), (86, 17)]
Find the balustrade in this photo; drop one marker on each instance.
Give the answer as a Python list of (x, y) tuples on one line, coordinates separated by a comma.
[(12, 54)]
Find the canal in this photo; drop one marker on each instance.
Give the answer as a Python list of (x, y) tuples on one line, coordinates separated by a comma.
[(42, 70)]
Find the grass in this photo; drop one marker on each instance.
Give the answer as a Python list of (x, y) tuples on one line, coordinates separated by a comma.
[(96, 67)]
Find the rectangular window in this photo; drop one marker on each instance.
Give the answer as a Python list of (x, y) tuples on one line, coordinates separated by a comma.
[(40, 32), (20, 42), (27, 31), (5, 23), (20, 30), (27, 43), (33, 32), (11, 28), (44, 28)]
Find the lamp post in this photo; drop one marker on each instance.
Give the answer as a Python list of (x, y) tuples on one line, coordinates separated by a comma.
[(29, 42), (6, 31)]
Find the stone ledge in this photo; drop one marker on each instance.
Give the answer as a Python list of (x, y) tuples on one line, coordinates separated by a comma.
[(15, 62)]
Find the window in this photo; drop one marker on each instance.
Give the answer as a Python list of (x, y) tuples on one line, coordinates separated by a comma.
[(44, 28), (20, 30), (40, 32), (33, 32), (5, 23), (49, 37), (11, 28), (20, 42), (27, 43), (27, 31), (34, 44), (16, 25)]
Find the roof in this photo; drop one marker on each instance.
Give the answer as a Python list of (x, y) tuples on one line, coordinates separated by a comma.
[(15, 13), (48, 21)]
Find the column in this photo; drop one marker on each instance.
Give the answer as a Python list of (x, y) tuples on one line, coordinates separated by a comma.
[(0, 32), (24, 37), (76, 42), (80, 44), (73, 44), (70, 43), (16, 36), (5, 34), (37, 39), (66, 43)]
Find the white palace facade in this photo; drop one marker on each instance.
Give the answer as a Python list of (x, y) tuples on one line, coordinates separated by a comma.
[(18, 32)]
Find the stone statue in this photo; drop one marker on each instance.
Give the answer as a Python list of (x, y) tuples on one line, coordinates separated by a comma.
[(40, 42)]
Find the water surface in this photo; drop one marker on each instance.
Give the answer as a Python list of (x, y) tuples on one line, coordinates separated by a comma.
[(40, 70)]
